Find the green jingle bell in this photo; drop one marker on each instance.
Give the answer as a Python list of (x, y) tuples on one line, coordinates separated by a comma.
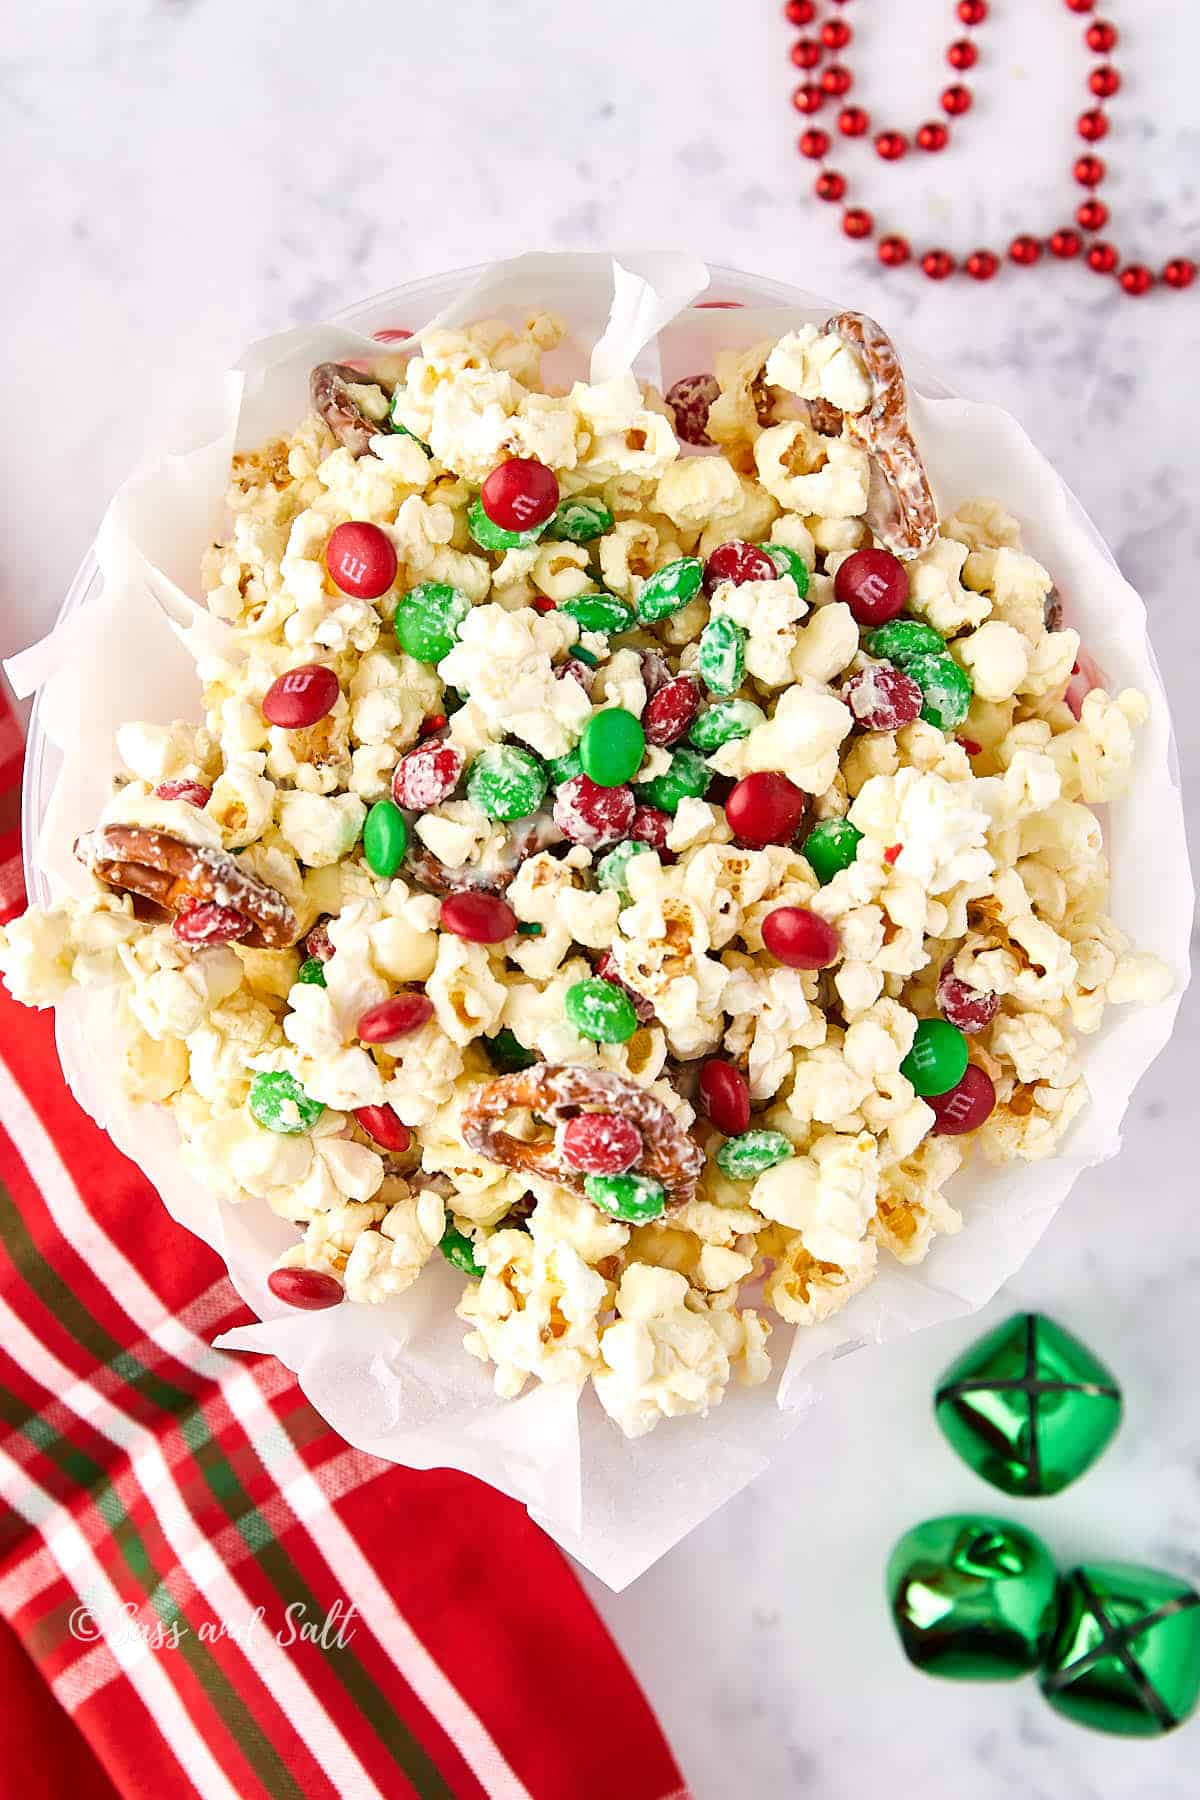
[(972, 1598), (1028, 1406), (1125, 1655)]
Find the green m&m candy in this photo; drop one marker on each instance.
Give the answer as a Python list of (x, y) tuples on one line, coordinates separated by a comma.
[(279, 1102), (788, 562), (428, 620), (1125, 1653), (599, 612), (564, 768), (311, 972), (385, 838), (830, 847), (752, 1153), (398, 399), (722, 723), (610, 870), (721, 661), (938, 1058), (687, 778), (506, 782), (506, 1053), (579, 520), (670, 588), (901, 639), (460, 1251), (635, 1198), (490, 536), (600, 1010), (946, 690), (612, 746)]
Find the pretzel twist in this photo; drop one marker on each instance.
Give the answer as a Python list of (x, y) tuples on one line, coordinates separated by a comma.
[(904, 515)]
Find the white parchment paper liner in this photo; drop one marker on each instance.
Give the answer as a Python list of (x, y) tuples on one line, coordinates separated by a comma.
[(394, 1379)]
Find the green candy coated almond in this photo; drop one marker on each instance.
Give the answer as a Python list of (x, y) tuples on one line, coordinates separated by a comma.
[(279, 1102), (385, 838), (946, 689), (579, 520), (599, 1010), (584, 656), (610, 870), (901, 639), (612, 746), (506, 1053), (721, 662), (670, 588), (311, 972), (490, 536), (938, 1058), (831, 847), (428, 620), (752, 1153), (633, 1197), (727, 720), (599, 612), (460, 1251), (506, 782), (687, 778), (788, 562)]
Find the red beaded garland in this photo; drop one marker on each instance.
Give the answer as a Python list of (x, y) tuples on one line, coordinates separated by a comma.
[(1136, 279), (1101, 37), (1026, 249), (1091, 215), (981, 265)]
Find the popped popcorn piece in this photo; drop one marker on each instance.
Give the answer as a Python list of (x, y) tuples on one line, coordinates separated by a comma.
[(819, 365), (387, 1260), (535, 1312), (811, 474)]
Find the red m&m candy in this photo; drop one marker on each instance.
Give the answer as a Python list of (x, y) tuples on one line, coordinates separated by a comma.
[(593, 815), (361, 559), (799, 938), (480, 918), (394, 1018), (963, 1005), (873, 584), (883, 698), (650, 825), (301, 697), (520, 495), (427, 775), (737, 562), (601, 1143), (309, 1289), (765, 808), (204, 922), (725, 1096), (966, 1106), (385, 1126)]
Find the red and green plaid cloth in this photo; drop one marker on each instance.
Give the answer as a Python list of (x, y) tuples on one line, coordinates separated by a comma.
[(170, 1512)]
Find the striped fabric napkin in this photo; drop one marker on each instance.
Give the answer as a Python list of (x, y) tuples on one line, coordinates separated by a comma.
[(203, 1589)]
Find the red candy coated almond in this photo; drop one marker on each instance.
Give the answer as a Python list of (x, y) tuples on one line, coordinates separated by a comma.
[(385, 1126), (799, 938), (309, 1289), (725, 1096), (671, 710), (396, 1017), (478, 917), (194, 792)]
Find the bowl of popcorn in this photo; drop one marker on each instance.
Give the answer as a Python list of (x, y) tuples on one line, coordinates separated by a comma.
[(628, 865)]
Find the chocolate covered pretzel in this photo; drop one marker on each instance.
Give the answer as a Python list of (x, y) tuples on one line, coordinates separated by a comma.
[(178, 876), (902, 513)]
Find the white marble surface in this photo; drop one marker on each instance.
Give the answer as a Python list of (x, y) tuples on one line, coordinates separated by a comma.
[(187, 174)]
